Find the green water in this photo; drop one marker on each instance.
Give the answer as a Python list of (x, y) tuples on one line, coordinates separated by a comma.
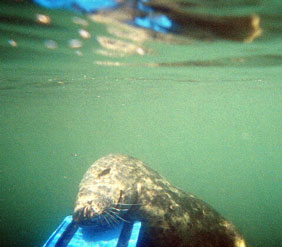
[(208, 118)]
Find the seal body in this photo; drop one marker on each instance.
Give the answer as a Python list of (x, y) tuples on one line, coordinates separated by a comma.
[(118, 188)]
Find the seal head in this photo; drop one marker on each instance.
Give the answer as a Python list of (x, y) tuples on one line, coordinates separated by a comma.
[(106, 193)]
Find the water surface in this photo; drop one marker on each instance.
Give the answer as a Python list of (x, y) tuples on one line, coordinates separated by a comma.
[(206, 114)]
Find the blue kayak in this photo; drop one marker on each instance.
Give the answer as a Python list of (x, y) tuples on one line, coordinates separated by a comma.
[(68, 234)]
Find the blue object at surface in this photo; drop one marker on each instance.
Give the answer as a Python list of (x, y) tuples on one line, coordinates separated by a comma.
[(89, 237), (151, 19), (159, 23), (84, 5)]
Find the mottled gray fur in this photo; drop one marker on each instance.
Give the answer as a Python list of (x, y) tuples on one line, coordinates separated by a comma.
[(120, 188)]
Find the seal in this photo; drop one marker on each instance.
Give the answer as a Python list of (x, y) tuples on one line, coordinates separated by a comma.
[(121, 189)]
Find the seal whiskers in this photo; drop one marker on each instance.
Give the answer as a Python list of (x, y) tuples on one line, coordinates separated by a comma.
[(113, 217), (106, 219), (119, 209), (119, 217)]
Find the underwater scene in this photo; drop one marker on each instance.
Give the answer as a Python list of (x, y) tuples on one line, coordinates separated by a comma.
[(193, 88)]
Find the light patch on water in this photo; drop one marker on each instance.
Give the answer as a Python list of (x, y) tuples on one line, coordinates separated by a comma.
[(75, 43), (110, 63), (120, 46), (80, 21), (43, 19), (108, 53), (128, 32), (84, 34), (51, 44), (13, 43)]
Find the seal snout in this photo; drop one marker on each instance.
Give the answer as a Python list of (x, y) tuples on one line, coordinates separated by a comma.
[(86, 212)]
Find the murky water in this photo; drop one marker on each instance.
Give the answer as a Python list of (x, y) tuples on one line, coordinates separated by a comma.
[(206, 114)]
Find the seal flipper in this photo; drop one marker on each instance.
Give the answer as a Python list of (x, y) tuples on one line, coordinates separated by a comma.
[(125, 234), (67, 235)]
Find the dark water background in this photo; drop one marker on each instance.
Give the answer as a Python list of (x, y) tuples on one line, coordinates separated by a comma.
[(207, 115)]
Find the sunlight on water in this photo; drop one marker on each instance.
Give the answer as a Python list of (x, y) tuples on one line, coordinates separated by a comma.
[(205, 112)]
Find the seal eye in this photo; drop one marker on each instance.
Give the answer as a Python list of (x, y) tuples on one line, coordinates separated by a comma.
[(104, 172)]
